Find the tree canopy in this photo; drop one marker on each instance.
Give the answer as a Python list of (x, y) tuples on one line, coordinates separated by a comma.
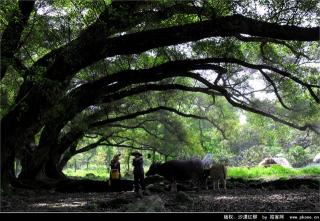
[(157, 75)]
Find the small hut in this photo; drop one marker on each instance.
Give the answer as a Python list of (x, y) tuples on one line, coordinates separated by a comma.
[(266, 162), (282, 161)]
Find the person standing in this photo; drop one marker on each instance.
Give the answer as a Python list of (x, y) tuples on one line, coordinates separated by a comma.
[(115, 174), (138, 173)]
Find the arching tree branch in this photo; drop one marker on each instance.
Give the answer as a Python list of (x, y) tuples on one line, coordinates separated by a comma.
[(271, 40), (274, 88), (229, 98), (139, 113), (10, 38)]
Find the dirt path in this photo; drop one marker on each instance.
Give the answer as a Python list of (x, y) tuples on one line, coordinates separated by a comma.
[(233, 200)]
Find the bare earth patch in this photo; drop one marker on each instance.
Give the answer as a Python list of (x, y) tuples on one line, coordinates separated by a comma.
[(233, 200)]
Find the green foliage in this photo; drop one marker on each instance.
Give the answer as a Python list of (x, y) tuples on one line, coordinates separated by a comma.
[(100, 173), (275, 171), (254, 155), (8, 90), (298, 156), (220, 47)]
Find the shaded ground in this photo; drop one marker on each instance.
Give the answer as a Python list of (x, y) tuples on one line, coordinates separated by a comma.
[(236, 200)]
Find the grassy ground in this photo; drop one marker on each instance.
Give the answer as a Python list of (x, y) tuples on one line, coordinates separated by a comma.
[(274, 171), (257, 172), (99, 173)]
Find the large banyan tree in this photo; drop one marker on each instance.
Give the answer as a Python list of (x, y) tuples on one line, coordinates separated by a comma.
[(63, 59)]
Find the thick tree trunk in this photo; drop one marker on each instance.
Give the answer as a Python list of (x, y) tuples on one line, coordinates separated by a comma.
[(9, 154), (47, 160), (7, 167), (63, 156), (49, 166), (37, 164), (18, 126), (52, 169), (25, 157), (7, 162), (66, 156), (63, 161)]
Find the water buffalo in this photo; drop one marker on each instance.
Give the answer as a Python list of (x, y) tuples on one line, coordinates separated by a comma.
[(181, 170)]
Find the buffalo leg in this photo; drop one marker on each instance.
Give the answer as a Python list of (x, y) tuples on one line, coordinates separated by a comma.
[(206, 184), (173, 186)]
